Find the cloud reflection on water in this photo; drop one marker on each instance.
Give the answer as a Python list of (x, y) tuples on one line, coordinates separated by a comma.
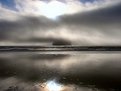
[(82, 71)]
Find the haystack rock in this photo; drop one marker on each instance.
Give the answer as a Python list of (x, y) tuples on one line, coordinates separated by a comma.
[(61, 42)]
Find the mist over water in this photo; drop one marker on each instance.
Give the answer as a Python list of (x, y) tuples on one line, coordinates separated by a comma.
[(74, 72)]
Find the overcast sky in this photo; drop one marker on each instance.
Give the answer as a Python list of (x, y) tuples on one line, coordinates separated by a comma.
[(83, 22)]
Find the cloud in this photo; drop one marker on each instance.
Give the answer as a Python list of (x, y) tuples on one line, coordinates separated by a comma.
[(71, 6), (102, 24), (26, 28), (38, 7), (75, 27)]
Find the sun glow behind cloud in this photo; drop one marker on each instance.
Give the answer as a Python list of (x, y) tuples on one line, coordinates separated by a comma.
[(54, 8)]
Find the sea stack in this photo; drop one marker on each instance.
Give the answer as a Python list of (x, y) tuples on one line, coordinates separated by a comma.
[(61, 42)]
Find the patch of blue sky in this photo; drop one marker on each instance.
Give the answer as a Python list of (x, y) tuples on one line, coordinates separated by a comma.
[(9, 4)]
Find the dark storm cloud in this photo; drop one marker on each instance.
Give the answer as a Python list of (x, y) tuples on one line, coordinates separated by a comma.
[(103, 19), (24, 28), (108, 15), (102, 24), (28, 29)]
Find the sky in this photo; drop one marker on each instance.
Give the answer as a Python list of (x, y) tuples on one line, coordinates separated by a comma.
[(81, 22), (8, 3)]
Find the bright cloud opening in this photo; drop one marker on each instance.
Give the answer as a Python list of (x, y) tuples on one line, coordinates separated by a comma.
[(53, 9)]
